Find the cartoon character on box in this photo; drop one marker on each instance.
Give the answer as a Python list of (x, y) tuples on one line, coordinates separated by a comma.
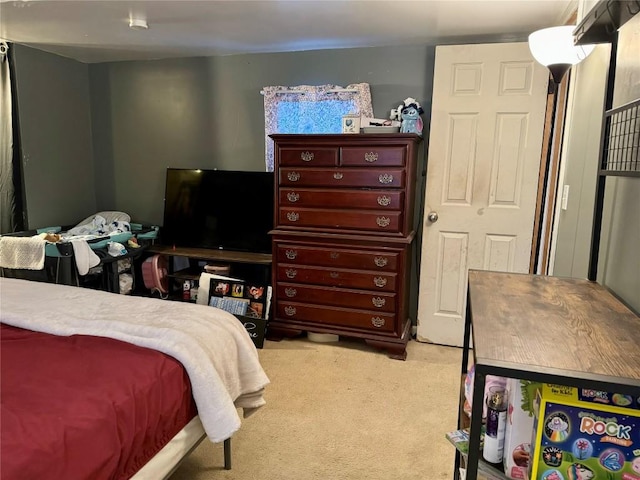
[(557, 428), (578, 471), (583, 439)]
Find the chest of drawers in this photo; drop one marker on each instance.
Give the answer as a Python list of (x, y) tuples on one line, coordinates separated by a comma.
[(343, 236)]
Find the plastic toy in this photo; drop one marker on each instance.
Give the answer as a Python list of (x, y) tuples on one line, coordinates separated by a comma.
[(409, 113)]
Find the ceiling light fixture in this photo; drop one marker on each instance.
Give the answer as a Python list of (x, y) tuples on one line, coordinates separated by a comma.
[(554, 48), (138, 24)]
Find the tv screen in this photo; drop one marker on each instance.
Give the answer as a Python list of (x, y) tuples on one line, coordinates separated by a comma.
[(218, 209)]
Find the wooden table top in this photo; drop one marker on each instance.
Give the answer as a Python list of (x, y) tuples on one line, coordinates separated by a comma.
[(569, 327)]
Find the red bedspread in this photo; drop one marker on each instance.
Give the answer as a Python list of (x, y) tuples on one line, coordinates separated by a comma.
[(84, 407)]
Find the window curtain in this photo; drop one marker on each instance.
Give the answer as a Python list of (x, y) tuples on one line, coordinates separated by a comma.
[(311, 109), (7, 191), (12, 214)]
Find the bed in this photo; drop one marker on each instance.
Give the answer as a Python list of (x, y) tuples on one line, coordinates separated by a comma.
[(96, 385)]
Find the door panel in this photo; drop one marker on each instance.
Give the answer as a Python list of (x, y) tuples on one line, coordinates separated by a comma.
[(485, 144)]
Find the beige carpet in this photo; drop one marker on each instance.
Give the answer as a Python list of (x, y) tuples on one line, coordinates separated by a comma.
[(343, 411)]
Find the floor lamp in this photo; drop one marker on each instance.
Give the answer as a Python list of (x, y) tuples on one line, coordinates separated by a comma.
[(555, 49)]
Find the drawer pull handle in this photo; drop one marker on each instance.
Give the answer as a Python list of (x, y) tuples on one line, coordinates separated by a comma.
[(293, 197), (381, 261), (383, 221), (291, 273), (290, 292), (380, 282), (377, 322), (338, 176), (293, 176), (385, 178), (378, 302), (291, 254), (289, 310), (306, 156), (334, 274), (384, 200), (370, 157), (293, 216), (334, 255)]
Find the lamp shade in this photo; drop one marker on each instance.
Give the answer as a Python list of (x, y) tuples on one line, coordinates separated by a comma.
[(554, 48)]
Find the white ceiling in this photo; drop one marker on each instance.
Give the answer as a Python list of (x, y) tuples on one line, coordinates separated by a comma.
[(93, 31)]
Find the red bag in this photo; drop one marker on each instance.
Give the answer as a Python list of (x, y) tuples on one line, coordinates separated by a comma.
[(154, 274)]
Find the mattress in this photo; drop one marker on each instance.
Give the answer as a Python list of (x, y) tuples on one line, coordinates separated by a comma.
[(212, 345), (86, 407)]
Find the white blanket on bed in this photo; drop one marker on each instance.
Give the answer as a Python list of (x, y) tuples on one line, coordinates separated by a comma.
[(214, 347)]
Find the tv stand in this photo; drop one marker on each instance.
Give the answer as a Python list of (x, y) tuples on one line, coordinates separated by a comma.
[(210, 254), (252, 267)]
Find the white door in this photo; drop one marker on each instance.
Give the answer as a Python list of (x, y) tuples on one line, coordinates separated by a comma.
[(485, 142)]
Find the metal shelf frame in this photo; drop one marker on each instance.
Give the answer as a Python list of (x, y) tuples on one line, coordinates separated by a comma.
[(500, 291), (603, 20)]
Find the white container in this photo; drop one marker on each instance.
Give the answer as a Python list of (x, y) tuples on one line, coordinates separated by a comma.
[(322, 337)]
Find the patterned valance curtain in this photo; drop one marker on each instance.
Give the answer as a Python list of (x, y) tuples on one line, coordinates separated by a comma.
[(311, 109)]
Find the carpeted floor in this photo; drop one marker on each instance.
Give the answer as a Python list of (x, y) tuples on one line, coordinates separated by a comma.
[(343, 411)]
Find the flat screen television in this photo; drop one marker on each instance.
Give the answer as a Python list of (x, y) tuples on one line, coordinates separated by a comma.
[(219, 209)]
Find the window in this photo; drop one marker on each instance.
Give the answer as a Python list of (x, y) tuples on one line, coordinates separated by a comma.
[(309, 109)]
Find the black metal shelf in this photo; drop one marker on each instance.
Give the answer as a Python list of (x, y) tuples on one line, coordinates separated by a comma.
[(621, 133), (603, 21), (509, 316)]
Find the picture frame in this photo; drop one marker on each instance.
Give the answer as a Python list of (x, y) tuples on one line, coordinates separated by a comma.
[(351, 123)]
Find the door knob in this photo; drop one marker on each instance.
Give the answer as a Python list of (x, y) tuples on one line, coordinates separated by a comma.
[(432, 217)]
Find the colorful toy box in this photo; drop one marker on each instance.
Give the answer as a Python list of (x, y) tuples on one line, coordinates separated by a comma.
[(584, 434)]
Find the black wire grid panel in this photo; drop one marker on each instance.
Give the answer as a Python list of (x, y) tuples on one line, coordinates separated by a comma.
[(621, 155)]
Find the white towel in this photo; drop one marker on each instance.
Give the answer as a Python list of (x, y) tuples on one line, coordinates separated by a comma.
[(22, 252), (85, 257)]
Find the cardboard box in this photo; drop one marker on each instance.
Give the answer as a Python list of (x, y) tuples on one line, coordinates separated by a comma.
[(577, 437), (521, 396)]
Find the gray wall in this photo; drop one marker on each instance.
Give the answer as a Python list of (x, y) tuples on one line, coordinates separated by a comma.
[(619, 266), (205, 112), (619, 260), (580, 163), (209, 113), (55, 127)]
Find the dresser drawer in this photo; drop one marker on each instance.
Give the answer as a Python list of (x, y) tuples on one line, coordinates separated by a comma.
[(342, 177), (373, 221), (309, 157), (339, 297), (374, 281), (366, 199), (329, 257), (373, 156), (336, 316)]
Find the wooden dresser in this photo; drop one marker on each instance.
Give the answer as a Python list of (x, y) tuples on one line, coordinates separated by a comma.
[(343, 237)]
